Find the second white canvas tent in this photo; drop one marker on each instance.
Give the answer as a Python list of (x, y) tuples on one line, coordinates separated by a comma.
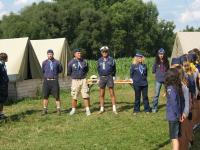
[(184, 42), (59, 46)]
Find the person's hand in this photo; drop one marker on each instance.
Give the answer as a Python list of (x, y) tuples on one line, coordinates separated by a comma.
[(113, 77), (182, 118), (131, 80)]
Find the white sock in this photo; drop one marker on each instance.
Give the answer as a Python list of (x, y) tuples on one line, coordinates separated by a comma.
[(45, 107), (114, 108), (74, 109), (102, 108), (58, 107), (87, 109)]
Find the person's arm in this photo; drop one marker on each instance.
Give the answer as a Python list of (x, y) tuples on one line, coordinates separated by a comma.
[(114, 68), (86, 67), (131, 71), (60, 68), (1, 73), (43, 66), (186, 97), (167, 67), (98, 67), (69, 69), (146, 73)]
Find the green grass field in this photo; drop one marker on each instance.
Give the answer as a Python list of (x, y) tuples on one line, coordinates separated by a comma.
[(26, 129)]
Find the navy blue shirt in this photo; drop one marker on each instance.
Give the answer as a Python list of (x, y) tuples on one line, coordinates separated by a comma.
[(51, 68), (191, 84), (159, 70), (173, 106), (106, 66), (138, 74), (77, 69), (3, 74)]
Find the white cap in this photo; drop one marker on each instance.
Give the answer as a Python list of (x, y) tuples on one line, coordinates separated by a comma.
[(104, 47)]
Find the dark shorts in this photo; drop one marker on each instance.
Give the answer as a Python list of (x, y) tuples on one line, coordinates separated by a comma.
[(51, 87), (106, 81), (174, 129), (3, 93)]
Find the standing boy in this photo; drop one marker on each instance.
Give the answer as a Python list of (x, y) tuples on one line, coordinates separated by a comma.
[(51, 69), (106, 69), (78, 69)]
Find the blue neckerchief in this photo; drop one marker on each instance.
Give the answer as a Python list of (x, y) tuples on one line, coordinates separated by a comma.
[(79, 65), (51, 65), (141, 69)]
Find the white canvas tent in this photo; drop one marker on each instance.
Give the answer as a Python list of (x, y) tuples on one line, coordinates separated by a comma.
[(184, 42), (59, 46), (23, 68), (22, 62)]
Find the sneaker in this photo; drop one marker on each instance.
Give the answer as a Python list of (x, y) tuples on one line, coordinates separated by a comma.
[(101, 112), (44, 112), (88, 113), (72, 112), (135, 113), (154, 111), (59, 112), (115, 112)]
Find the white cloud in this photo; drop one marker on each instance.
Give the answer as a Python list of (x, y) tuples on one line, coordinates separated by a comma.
[(192, 13), (1, 5), (28, 2), (3, 13)]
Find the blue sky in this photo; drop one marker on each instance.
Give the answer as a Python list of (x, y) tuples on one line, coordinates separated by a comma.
[(182, 12)]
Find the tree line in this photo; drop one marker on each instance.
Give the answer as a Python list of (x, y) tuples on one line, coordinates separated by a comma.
[(124, 25)]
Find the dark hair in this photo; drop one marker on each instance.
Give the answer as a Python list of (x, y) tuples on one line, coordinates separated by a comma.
[(3, 56), (172, 78), (165, 60)]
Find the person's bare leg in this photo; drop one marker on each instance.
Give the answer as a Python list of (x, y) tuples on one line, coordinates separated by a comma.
[(58, 104), (74, 104), (175, 144), (45, 105), (113, 98), (101, 99), (87, 106)]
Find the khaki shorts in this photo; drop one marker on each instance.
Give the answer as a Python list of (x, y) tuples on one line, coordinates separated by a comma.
[(79, 85)]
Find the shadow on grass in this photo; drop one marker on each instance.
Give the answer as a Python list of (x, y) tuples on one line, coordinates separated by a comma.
[(20, 116), (161, 145), (161, 106), (121, 106), (12, 102)]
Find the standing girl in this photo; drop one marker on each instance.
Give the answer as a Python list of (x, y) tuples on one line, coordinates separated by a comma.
[(160, 67), (138, 74), (173, 107)]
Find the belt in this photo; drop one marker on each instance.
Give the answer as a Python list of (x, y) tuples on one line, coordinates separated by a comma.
[(50, 79), (105, 76)]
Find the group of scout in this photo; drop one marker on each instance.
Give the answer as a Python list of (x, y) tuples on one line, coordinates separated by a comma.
[(106, 67), (182, 82)]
